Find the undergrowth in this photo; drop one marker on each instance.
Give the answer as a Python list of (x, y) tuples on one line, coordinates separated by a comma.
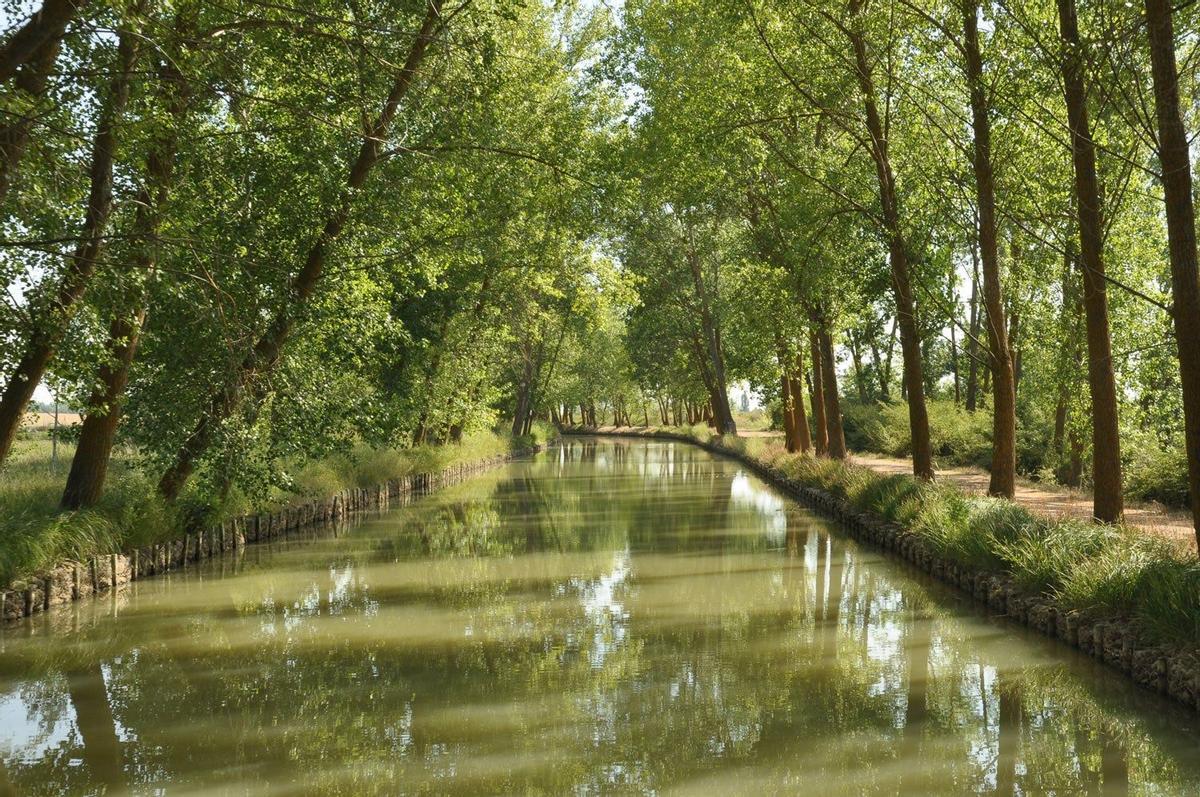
[(36, 534)]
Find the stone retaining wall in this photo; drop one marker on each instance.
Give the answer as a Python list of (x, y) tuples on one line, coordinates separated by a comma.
[(72, 581), (1171, 670)]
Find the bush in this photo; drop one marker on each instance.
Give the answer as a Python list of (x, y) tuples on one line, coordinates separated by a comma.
[(958, 437), (1156, 474)]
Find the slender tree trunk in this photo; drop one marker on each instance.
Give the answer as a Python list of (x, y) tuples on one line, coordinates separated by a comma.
[(1108, 503), (954, 362), (796, 386), (47, 24), (524, 391), (1004, 401), (973, 341), (817, 391), (723, 413), (880, 372), (1176, 163), (885, 375), (910, 339), (1060, 420), (1014, 343), (860, 381), (833, 409), (89, 467), (50, 320), (267, 350), (791, 436)]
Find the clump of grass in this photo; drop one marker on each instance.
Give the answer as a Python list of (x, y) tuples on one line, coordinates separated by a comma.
[(321, 478), (1169, 598), (36, 534), (886, 494), (944, 519), (1038, 558)]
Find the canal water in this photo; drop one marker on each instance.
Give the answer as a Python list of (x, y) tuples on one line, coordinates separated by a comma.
[(611, 616)]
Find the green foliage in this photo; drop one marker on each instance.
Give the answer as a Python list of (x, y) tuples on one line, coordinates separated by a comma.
[(1155, 473), (35, 534), (958, 437)]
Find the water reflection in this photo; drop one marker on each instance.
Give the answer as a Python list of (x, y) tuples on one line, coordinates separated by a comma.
[(612, 616)]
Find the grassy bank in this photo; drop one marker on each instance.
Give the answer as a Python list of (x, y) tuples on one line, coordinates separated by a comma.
[(35, 534), (1101, 569)]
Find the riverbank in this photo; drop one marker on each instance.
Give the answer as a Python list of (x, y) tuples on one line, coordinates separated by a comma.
[(52, 557), (1127, 599), (1042, 497)]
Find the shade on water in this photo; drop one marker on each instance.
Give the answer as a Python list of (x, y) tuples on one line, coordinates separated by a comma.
[(610, 616)]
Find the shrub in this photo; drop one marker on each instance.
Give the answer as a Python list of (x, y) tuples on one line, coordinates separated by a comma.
[(1157, 474), (958, 437)]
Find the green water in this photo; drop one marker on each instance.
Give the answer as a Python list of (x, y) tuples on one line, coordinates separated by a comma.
[(614, 616)]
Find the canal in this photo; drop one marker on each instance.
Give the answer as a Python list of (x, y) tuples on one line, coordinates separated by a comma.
[(610, 616)]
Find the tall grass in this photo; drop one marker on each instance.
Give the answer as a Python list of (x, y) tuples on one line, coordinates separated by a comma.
[(1103, 569), (36, 534)]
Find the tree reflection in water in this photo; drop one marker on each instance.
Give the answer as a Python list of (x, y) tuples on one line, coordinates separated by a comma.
[(612, 616)]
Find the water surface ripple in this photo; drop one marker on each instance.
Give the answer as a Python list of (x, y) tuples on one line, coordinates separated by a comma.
[(612, 616)]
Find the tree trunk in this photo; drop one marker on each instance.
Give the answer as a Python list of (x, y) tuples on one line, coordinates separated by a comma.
[(973, 338), (817, 390), (1181, 232), (796, 386), (267, 350), (50, 320), (1014, 345), (1004, 401), (954, 361), (796, 434), (524, 389), (860, 380), (89, 467), (833, 409), (910, 338), (722, 412), (882, 371), (791, 437), (47, 24), (1108, 504)]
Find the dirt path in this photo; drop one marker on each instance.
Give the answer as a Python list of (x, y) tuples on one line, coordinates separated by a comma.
[(1046, 500), (1050, 500)]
